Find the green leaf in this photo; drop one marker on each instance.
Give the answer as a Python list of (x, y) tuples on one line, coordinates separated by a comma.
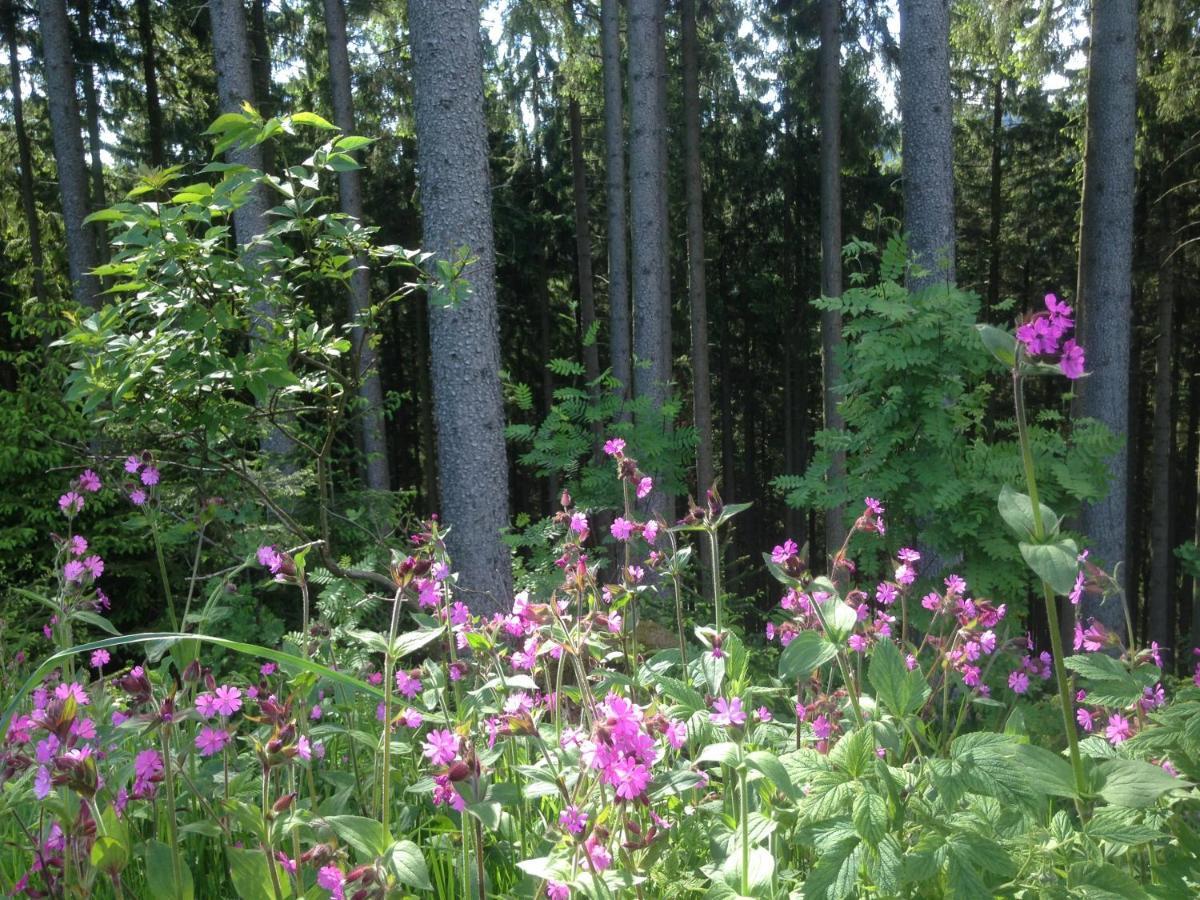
[(727, 753), (836, 873), (408, 863), (807, 651), (95, 620), (1045, 773), (160, 873), (729, 511), (1117, 826), (109, 855), (1132, 782), (352, 142), (310, 118), (1017, 511), (999, 343), (413, 641), (364, 835), (870, 817), (901, 691), (1056, 563), (768, 764), (488, 813), (252, 877)]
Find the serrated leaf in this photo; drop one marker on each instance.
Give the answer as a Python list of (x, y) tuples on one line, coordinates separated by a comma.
[(901, 691), (1132, 782), (870, 817)]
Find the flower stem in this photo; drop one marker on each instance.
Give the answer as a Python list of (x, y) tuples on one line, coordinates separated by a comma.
[(388, 681), (715, 565), (744, 815), (162, 572), (1039, 533)]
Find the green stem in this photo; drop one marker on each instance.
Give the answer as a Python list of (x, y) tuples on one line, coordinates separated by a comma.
[(162, 572), (1060, 672), (715, 566), (388, 684), (744, 814), (172, 825)]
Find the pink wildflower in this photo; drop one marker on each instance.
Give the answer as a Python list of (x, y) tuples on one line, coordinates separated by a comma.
[(729, 713), (211, 741), (441, 747)]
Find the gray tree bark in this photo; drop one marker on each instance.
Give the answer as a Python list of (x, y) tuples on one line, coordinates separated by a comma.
[(648, 210), (154, 119), (620, 332), (702, 385), (24, 153), (831, 243), (925, 132), (68, 149), (260, 72), (372, 430), (455, 186), (235, 86), (1105, 269), (91, 102)]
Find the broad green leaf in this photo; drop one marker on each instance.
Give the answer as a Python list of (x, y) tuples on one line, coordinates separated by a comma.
[(413, 641), (488, 813), (1017, 511), (109, 855), (160, 873), (727, 753), (252, 877), (768, 764), (364, 835), (901, 691), (1045, 772), (1055, 563), (1132, 782), (870, 817), (1119, 825), (408, 863), (807, 651), (998, 342), (310, 118)]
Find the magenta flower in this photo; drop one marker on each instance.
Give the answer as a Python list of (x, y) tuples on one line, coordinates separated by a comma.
[(675, 733), (629, 777), (147, 771), (42, 783), (79, 545), (95, 565), (579, 523), (763, 714), (89, 481), (228, 700), (441, 747), (74, 571), (267, 669), (621, 529), (411, 718), (133, 463), (100, 659), (74, 689), (782, 552), (1085, 719), (573, 819), (1018, 682), (206, 705), (1072, 360), (822, 728), (650, 531), (645, 486), (729, 713), (211, 741), (886, 593), (270, 558), (556, 890), (613, 446), (137, 497), (406, 684), (598, 856), (1119, 729), (149, 476), (70, 503), (331, 879)]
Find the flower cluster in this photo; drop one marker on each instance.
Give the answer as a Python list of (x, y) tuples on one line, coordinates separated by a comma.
[(1042, 336)]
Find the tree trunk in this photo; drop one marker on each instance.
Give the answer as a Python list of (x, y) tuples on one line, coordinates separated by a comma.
[(620, 331), (68, 149), (583, 245), (260, 72), (701, 378), (831, 245), (996, 196), (1105, 267), (154, 119), (87, 75), (925, 132), (235, 86), (648, 212), (1162, 594), (452, 155), (24, 154), (372, 428)]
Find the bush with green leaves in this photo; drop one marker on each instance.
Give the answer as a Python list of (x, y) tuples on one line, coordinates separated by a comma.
[(925, 424)]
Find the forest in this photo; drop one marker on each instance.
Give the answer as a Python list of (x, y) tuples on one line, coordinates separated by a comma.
[(599, 448)]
